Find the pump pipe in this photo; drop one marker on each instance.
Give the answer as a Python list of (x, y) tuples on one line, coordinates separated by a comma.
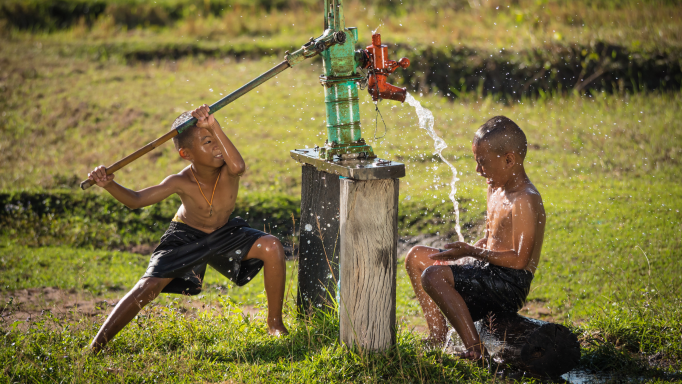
[(310, 49)]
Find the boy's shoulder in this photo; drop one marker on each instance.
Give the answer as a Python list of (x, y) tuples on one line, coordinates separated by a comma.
[(178, 178), (528, 194)]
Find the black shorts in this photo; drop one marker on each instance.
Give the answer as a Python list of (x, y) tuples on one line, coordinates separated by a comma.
[(489, 288), (184, 252)]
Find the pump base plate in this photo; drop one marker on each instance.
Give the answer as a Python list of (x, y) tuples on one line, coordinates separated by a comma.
[(357, 169)]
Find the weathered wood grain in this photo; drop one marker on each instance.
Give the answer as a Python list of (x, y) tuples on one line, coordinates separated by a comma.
[(318, 267), (369, 233)]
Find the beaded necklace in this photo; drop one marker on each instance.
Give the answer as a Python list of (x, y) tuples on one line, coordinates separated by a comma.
[(210, 203)]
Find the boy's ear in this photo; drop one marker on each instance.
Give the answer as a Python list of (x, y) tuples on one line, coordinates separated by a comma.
[(185, 154), (510, 159)]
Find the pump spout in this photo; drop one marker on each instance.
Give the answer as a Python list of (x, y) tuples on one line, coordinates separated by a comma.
[(375, 58), (380, 89)]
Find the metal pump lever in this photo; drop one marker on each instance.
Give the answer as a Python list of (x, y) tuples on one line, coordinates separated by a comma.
[(309, 50)]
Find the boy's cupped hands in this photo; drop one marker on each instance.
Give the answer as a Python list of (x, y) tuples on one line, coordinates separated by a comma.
[(455, 251)]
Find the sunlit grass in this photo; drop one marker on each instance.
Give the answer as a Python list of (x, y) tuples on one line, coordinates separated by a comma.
[(526, 24)]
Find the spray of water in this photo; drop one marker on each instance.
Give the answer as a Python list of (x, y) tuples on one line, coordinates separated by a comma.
[(426, 123)]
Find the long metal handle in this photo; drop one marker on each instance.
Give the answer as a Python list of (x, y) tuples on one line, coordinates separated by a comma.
[(274, 71), (85, 184)]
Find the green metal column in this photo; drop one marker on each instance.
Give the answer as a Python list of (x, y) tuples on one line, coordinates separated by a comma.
[(340, 81)]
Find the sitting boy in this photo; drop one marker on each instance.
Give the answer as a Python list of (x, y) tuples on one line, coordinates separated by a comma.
[(201, 232), (495, 273)]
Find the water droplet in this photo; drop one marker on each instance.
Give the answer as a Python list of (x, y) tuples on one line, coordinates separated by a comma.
[(239, 251), (259, 245), (308, 227)]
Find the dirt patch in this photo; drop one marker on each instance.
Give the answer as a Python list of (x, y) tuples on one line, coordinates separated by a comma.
[(537, 309), (28, 305)]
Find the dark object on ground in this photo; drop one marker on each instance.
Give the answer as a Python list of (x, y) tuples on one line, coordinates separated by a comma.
[(535, 346)]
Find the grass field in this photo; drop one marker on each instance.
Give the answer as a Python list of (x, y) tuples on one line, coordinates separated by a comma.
[(608, 167), (497, 24)]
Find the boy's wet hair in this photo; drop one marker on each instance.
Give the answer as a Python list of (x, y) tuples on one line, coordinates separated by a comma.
[(503, 135), (185, 138)]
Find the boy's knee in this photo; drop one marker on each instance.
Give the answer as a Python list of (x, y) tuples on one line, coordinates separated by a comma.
[(432, 277), (272, 247), (416, 250), (412, 255)]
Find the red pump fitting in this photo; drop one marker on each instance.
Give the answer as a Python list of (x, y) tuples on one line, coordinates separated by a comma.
[(380, 67)]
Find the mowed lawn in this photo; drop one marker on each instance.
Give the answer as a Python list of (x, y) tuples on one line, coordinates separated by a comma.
[(608, 167)]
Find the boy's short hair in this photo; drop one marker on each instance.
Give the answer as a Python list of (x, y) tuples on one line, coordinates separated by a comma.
[(503, 135), (183, 139)]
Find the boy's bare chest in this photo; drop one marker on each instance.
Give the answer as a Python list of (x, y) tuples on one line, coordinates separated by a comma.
[(214, 200), (500, 215)]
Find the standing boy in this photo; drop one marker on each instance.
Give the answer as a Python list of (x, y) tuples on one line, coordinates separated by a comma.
[(201, 232), (498, 277)]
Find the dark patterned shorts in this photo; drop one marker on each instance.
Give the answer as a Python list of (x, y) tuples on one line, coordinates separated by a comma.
[(184, 253), (490, 288)]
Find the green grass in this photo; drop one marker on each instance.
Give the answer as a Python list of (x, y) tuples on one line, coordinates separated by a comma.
[(163, 345), (166, 343), (497, 24)]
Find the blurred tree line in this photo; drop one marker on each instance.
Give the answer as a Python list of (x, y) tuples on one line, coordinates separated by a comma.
[(50, 15)]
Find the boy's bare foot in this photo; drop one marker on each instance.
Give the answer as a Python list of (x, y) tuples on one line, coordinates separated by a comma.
[(476, 353), (277, 331), (277, 328)]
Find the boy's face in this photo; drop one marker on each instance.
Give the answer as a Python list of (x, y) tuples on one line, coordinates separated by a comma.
[(205, 149), (493, 166)]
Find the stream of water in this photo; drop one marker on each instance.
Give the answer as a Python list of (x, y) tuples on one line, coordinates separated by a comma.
[(426, 122)]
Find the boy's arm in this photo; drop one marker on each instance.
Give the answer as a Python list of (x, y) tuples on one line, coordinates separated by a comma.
[(130, 198), (483, 243), (233, 159), (525, 216)]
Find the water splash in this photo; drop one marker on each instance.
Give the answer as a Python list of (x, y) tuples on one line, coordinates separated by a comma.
[(426, 122)]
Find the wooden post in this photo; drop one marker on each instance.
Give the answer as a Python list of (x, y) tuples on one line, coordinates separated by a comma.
[(369, 234), (319, 204)]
